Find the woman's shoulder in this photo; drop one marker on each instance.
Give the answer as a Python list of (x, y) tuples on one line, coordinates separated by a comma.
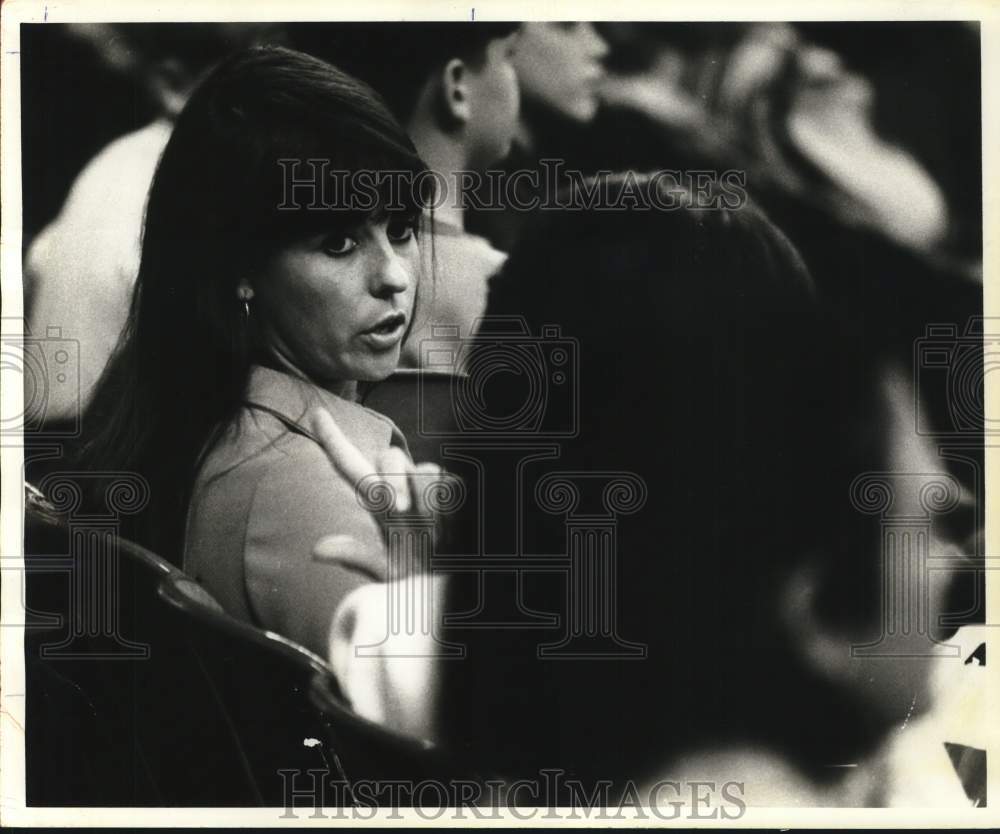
[(289, 400), (271, 434), (251, 444), (262, 476)]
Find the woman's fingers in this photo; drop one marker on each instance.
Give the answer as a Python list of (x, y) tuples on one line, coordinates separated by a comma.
[(395, 467), (410, 483), (344, 455)]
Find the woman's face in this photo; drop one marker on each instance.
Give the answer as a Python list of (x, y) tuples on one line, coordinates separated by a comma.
[(559, 66), (335, 306)]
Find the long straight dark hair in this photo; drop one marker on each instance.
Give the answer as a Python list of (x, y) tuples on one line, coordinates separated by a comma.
[(179, 373)]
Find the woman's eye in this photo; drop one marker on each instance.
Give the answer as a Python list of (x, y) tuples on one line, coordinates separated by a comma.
[(339, 244), (401, 229)]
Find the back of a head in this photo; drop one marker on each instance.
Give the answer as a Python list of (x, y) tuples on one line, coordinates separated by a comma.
[(397, 59), (709, 370)]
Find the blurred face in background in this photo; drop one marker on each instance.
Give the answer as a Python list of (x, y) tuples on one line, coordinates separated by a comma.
[(824, 76), (494, 103), (560, 67)]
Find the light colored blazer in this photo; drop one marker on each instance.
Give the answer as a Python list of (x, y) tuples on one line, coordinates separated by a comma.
[(266, 494)]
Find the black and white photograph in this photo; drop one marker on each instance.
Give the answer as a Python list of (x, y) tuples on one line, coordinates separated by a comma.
[(433, 415)]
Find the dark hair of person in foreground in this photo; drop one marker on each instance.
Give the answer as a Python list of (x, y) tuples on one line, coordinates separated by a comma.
[(710, 369)]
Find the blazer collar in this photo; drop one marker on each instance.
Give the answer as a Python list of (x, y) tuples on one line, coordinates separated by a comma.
[(293, 397)]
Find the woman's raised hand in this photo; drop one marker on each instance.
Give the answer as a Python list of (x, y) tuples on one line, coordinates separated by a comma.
[(410, 483), (388, 674)]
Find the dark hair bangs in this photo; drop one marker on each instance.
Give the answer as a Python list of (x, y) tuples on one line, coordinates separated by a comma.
[(329, 177)]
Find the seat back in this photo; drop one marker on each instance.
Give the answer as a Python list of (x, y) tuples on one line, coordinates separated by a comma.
[(288, 709), (260, 683), (420, 403), (118, 709)]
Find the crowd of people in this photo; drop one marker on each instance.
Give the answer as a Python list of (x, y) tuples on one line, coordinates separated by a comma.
[(742, 362)]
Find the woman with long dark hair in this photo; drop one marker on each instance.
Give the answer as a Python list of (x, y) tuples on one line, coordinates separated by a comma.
[(278, 274)]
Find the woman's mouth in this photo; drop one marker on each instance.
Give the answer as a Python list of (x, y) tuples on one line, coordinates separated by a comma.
[(386, 333)]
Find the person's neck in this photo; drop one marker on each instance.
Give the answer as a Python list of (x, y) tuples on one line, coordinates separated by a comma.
[(446, 155), (345, 389), (525, 137)]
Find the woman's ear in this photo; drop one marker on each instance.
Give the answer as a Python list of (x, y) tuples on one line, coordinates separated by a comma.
[(455, 91)]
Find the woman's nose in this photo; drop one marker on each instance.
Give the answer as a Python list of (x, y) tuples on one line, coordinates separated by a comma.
[(390, 273)]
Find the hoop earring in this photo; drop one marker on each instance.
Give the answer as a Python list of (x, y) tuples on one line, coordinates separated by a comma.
[(244, 293)]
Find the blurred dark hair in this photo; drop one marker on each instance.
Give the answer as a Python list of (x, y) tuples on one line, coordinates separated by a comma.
[(708, 367), (181, 367), (397, 59)]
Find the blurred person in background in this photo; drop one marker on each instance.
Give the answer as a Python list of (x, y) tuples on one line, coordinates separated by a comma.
[(80, 269), (763, 99), (874, 227), (801, 122), (454, 89), (560, 69)]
